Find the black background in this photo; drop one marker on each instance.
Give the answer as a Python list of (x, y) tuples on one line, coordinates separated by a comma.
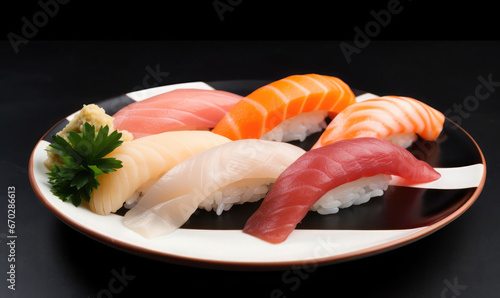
[(88, 52)]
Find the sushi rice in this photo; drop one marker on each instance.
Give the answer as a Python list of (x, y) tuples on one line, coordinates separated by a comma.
[(402, 139), (298, 127), (249, 190), (352, 193)]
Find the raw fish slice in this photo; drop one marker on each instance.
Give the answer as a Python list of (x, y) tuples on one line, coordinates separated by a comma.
[(181, 109), (145, 159), (221, 175), (389, 117), (269, 106), (318, 171)]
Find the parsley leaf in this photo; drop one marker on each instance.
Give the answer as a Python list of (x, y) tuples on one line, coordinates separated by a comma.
[(83, 160)]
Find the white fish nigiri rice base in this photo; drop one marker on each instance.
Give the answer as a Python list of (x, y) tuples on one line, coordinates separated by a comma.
[(352, 193), (297, 127), (247, 190)]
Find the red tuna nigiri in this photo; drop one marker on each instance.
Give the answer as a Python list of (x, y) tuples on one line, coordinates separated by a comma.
[(180, 109), (318, 171)]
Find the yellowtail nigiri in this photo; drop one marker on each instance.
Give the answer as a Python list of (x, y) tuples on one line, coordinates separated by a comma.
[(144, 161)]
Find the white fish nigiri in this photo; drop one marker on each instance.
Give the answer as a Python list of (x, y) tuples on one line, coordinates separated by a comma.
[(232, 173), (144, 161)]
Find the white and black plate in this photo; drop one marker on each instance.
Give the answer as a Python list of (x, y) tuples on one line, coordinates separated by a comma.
[(402, 215)]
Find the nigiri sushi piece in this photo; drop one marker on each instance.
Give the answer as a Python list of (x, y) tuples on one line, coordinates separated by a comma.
[(232, 173), (144, 160), (180, 109), (395, 118), (288, 109), (327, 177)]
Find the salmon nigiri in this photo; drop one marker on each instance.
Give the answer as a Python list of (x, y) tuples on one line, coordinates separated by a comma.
[(144, 161), (336, 174), (287, 109), (180, 109), (395, 118)]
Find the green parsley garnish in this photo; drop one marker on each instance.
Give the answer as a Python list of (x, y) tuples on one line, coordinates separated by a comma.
[(83, 161)]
